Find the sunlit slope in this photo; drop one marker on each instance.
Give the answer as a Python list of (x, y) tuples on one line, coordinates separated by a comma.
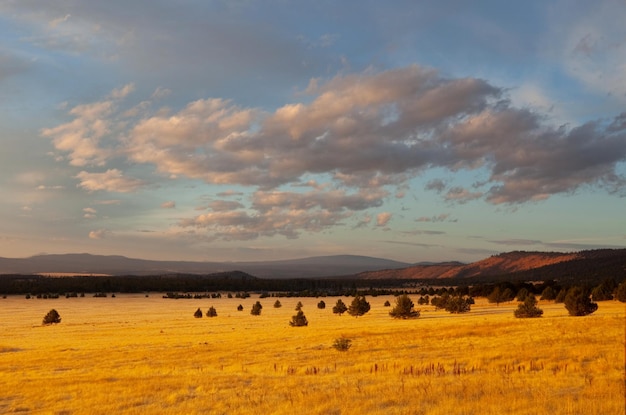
[(140, 355)]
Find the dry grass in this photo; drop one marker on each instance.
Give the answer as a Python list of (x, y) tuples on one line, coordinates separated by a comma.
[(140, 355)]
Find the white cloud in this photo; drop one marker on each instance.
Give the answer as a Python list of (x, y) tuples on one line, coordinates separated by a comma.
[(99, 234), (89, 213), (112, 180), (170, 204), (382, 219)]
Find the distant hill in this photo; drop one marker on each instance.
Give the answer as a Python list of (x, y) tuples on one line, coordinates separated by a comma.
[(87, 264), (520, 263)]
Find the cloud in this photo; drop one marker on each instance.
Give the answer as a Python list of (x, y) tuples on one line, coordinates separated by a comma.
[(383, 218), (443, 217), (516, 242), (170, 204), (461, 195), (99, 234), (89, 213), (112, 180)]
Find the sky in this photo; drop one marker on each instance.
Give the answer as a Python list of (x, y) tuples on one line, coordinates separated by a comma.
[(246, 130)]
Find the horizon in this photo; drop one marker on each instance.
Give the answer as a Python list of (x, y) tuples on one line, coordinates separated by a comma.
[(269, 131)]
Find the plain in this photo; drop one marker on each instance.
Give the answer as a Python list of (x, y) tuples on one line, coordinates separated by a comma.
[(138, 354)]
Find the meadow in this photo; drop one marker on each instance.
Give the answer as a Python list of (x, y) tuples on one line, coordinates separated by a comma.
[(134, 354)]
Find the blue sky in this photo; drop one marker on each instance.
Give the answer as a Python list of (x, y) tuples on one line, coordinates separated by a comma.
[(249, 130)]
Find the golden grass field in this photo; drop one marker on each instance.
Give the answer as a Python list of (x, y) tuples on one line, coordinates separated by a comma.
[(138, 355)]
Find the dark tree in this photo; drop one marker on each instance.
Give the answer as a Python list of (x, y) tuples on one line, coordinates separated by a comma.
[(52, 317), (604, 291), (211, 312), (277, 304), (198, 313), (387, 304), (359, 306), (620, 293), (560, 297), (578, 303), (239, 307), (528, 309), (299, 320), (299, 306), (458, 304), (321, 305), (404, 308), (342, 344), (256, 309), (340, 307), (423, 300), (522, 294), (548, 294)]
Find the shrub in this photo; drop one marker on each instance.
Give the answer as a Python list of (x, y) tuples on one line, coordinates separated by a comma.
[(321, 305), (239, 307), (560, 297), (211, 312), (528, 309), (548, 294), (404, 308), (340, 307), (256, 309), (277, 304), (52, 317), (620, 293), (387, 304), (604, 291), (198, 313), (299, 306), (359, 306), (423, 300), (299, 320), (458, 305), (522, 294), (578, 303), (342, 344)]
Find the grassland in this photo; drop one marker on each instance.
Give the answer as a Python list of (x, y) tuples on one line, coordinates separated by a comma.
[(138, 355)]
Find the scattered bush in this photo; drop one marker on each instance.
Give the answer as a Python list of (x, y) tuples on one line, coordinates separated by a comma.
[(620, 293), (387, 304), (239, 307), (340, 307), (528, 309), (321, 305), (548, 294), (198, 313), (299, 320), (458, 305), (359, 306), (578, 303), (299, 306), (256, 309), (52, 317), (211, 312), (423, 300), (342, 344), (404, 308), (277, 304)]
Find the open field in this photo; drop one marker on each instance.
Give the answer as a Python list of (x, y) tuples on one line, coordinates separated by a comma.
[(138, 355)]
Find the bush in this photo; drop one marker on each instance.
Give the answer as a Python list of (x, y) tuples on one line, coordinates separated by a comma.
[(578, 303), (52, 317), (528, 309), (340, 307), (342, 344), (256, 309), (211, 312), (404, 308), (620, 293), (321, 305), (548, 294), (277, 304), (359, 306), (239, 307), (198, 313), (299, 320), (299, 306), (458, 305)]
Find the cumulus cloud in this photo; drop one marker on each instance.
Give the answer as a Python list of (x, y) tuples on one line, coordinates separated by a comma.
[(112, 180), (170, 204), (443, 217), (89, 213), (366, 133), (99, 234), (383, 218)]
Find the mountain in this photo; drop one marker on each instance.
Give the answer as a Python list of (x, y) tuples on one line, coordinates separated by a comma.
[(87, 264), (521, 263)]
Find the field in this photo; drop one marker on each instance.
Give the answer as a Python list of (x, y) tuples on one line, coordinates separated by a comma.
[(147, 355)]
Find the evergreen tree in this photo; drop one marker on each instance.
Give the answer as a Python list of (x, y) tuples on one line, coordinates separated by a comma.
[(604, 291), (299, 306), (522, 294), (620, 293), (578, 303), (404, 308), (299, 320), (340, 307), (528, 308), (548, 294), (359, 306), (321, 305), (277, 304), (198, 313), (52, 317), (256, 309), (458, 304), (239, 307), (211, 312), (387, 304)]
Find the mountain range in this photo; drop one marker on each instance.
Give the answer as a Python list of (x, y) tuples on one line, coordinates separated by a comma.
[(540, 265)]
